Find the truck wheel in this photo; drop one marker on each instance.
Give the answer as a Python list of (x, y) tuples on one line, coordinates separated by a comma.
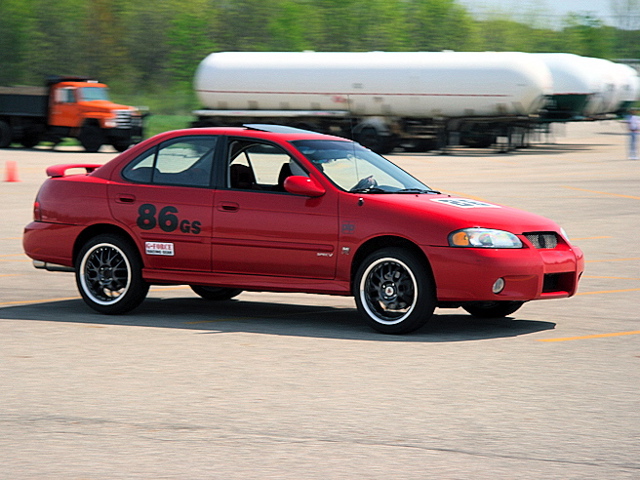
[(91, 138), (394, 291), (215, 293), (30, 140), (109, 275), (492, 309), (121, 146), (5, 135)]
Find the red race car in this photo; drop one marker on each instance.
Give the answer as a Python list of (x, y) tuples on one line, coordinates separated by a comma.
[(271, 208)]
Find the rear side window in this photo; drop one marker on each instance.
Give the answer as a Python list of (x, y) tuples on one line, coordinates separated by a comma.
[(183, 162)]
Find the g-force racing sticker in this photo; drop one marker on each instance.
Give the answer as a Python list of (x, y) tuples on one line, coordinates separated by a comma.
[(464, 203), (158, 248)]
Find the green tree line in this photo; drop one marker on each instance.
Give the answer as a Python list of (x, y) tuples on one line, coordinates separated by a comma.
[(156, 46)]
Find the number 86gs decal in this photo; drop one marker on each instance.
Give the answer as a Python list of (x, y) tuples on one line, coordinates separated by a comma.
[(167, 220)]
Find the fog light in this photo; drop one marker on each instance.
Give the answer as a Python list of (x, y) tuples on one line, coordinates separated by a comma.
[(498, 286)]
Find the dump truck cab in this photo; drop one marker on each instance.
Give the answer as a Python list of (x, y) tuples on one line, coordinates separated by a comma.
[(83, 107)]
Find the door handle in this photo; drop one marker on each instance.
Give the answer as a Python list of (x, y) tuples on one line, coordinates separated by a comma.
[(125, 198), (228, 207)]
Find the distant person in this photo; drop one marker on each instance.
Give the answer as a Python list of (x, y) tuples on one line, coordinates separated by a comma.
[(633, 122)]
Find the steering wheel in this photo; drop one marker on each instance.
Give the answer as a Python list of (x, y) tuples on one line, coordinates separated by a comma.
[(365, 182)]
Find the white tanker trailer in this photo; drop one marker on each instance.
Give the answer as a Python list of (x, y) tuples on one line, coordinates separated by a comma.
[(575, 86), (381, 99)]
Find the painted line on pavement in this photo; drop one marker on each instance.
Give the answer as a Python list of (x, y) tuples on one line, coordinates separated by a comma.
[(610, 278), (592, 238), (632, 259), (32, 302), (587, 337), (602, 193), (610, 291)]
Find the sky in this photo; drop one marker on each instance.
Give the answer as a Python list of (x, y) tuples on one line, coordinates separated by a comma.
[(552, 10)]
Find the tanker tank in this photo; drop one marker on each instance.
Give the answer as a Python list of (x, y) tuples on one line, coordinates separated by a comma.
[(381, 99), (406, 84)]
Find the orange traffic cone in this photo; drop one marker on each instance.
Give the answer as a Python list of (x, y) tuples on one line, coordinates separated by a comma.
[(11, 172)]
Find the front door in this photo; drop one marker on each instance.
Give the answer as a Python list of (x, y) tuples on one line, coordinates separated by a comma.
[(259, 229)]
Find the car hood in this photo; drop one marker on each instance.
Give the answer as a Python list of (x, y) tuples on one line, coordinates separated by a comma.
[(452, 213)]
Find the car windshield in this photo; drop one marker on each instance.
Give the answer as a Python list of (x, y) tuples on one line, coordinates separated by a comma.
[(356, 169), (93, 93)]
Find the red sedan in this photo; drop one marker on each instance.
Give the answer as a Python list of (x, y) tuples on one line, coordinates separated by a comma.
[(270, 208)]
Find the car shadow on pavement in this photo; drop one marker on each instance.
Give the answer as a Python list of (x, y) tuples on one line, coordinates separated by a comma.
[(282, 319)]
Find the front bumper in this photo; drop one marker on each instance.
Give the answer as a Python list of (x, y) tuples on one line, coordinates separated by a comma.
[(468, 274)]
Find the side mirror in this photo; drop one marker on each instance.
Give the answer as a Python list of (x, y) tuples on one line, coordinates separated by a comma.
[(305, 186)]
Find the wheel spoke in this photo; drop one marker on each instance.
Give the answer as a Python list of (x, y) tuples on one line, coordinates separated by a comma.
[(389, 290), (106, 273)]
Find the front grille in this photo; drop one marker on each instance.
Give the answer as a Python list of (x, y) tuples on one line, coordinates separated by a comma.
[(543, 239), (123, 119)]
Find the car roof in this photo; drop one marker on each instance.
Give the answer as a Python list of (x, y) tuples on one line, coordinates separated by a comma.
[(255, 131), (258, 131)]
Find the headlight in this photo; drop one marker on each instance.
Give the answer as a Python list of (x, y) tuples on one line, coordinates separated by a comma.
[(483, 238)]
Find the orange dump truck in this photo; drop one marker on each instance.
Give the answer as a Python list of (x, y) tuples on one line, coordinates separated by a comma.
[(76, 107)]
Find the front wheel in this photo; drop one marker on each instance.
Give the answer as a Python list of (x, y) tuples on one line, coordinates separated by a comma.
[(215, 293), (109, 275), (91, 138), (121, 145), (394, 291), (492, 309)]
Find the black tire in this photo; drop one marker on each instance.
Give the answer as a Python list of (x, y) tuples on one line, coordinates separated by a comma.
[(5, 134), (215, 293), (121, 146), (91, 138), (370, 137), (30, 140), (492, 309), (394, 291), (109, 275)]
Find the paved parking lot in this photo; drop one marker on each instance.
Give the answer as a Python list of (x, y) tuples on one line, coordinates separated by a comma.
[(293, 386)]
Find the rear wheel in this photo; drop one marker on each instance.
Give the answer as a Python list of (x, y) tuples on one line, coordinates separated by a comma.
[(109, 275), (394, 291), (492, 309), (5, 134), (215, 293), (30, 140)]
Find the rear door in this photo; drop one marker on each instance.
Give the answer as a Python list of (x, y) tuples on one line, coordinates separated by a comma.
[(166, 199)]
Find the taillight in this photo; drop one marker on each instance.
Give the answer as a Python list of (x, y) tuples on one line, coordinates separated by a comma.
[(37, 214)]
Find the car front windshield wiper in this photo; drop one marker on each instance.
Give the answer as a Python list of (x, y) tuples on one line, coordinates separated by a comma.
[(416, 190)]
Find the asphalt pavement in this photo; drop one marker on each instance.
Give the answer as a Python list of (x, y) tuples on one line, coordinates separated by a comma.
[(295, 386)]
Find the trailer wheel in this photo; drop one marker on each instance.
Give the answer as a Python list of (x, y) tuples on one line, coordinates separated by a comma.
[(5, 134), (374, 139), (91, 138)]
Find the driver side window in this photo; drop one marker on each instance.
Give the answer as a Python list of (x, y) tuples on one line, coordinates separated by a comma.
[(259, 166)]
